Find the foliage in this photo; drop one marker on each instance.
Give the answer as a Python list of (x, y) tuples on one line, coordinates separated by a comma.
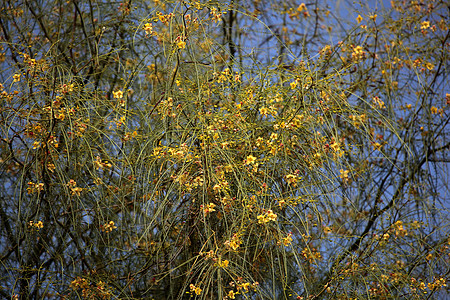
[(224, 150)]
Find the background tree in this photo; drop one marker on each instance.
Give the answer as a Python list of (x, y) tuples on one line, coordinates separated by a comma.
[(261, 150)]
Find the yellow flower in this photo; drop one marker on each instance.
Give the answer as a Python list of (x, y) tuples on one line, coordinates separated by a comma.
[(400, 231), (108, 227), (118, 94), (376, 100), (76, 191), (181, 44), (434, 110), (245, 286), (267, 217), (36, 144), (358, 53), (311, 254), (263, 111), (287, 240), (231, 295), (359, 19), (234, 243), (292, 179), (377, 146), (301, 7), (148, 27), (16, 77), (250, 160), (262, 219), (216, 16), (67, 88), (293, 84), (425, 25), (224, 264), (195, 289), (198, 291), (273, 136), (237, 77), (217, 188), (271, 215), (37, 225), (72, 183), (209, 208), (344, 175)]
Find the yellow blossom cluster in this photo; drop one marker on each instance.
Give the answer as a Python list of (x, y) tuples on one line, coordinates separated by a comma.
[(358, 53), (223, 263), (181, 44), (425, 25), (129, 135), (165, 19), (293, 179), (148, 28), (36, 225), (268, 111), (16, 77), (399, 229), (100, 164), (165, 107), (35, 187), (118, 94), (267, 217), (250, 160), (294, 14), (287, 240), (294, 84), (66, 88), (90, 290), (311, 254), (223, 76), (234, 242), (344, 176), (216, 16), (73, 188), (358, 120), (195, 289), (108, 227), (208, 208), (336, 147), (378, 102)]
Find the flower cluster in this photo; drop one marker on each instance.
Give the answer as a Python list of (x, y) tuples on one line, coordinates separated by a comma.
[(399, 229), (35, 187), (108, 227), (208, 208), (286, 241), (36, 225), (148, 28), (267, 217), (74, 188), (234, 242), (91, 290), (311, 254), (195, 289)]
